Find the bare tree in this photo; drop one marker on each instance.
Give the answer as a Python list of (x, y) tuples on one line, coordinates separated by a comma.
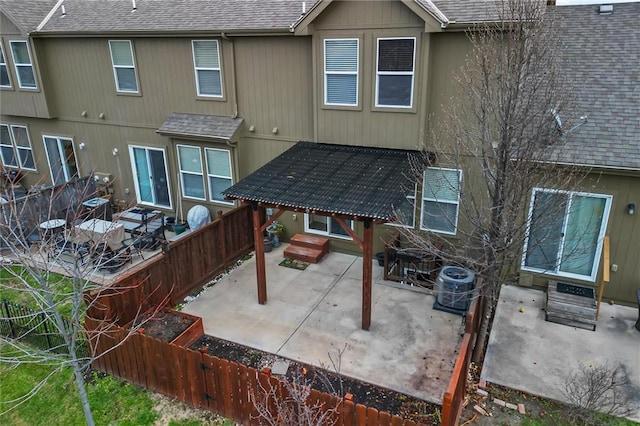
[(599, 388), (55, 270), (290, 402), (505, 129)]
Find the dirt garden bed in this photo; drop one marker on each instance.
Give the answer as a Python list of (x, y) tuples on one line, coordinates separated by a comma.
[(382, 399), (171, 326)]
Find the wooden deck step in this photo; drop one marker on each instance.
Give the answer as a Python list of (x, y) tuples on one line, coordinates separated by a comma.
[(571, 309), (311, 241), (306, 254)]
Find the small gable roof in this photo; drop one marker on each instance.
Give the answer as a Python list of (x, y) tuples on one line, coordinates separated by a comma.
[(200, 126), (355, 181), (26, 14)]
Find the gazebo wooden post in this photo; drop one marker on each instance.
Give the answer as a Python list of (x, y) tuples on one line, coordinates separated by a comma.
[(258, 241), (367, 273)]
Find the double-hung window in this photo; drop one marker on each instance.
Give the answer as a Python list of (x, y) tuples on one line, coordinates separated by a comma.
[(206, 63), (124, 67), (395, 72), (565, 231), (440, 200), (15, 147), (23, 65), (5, 80), (218, 173), (341, 63), (191, 175)]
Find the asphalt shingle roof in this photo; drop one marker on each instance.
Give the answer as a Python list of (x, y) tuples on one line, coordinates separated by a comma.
[(204, 126), (468, 11), (601, 53), (27, 14), (341, 179), (113, 16)]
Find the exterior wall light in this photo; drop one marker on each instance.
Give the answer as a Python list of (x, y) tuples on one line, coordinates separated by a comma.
[(631, 209)]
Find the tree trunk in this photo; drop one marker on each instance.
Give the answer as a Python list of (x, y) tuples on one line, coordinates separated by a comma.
[(82, 390), (483, 332)]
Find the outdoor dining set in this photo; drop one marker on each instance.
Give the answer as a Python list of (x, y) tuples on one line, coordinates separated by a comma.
[(95, 237)]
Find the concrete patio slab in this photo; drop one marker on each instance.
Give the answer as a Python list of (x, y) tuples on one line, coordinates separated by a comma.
[(527, 353), (315, 313)]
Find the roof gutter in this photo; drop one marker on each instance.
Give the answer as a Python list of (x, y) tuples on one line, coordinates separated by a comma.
[(165, 33), (437, 14)]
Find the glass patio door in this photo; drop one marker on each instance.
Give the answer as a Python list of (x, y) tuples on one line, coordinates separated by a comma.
[(62, 159), (150, 175)]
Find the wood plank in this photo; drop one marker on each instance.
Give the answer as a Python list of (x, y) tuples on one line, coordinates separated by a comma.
[(243, 394), (254, 390), (235, 392), (372, 416), (306, 254), (223, 370), (384, 419), (209, 384), (361, 415), (571, 323), (310, 241)]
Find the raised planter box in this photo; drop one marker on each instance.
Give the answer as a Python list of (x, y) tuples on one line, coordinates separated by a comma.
[(171, 326)]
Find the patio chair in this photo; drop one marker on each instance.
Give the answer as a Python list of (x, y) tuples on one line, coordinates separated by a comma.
[(150, 235), (108, 260)]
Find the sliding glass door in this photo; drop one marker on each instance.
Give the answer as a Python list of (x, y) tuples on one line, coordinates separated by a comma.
[(150, 176)]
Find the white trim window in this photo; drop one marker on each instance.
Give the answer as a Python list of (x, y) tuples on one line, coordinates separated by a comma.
[(61, 158), (5, 79), (440, 200), (206, 64), (150, 176), (15, 147), (219, 175), (191, 175), (341, 67), (23, 64), (395, 66), (565, 231), (325, 225), (124, 67)]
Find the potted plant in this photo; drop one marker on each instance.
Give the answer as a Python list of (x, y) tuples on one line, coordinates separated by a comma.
[(275, 230)]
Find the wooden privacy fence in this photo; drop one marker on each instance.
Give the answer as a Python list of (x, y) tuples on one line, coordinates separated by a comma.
[(185, 265), (221, 386), (452, 402)]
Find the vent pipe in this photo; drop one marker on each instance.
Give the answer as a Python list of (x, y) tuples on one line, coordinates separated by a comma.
[(64, 11), (304, 7), (133, 6), (606, 9)]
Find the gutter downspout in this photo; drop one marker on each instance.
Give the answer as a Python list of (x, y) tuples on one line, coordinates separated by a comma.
[(234, 85)]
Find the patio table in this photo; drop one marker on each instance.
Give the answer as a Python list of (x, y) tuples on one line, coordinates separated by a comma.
[(98, 230)]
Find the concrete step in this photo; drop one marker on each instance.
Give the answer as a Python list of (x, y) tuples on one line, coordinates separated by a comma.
[(311, 241), (306, 254)]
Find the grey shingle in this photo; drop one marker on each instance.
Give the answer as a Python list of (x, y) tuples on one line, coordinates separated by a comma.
[(601, 54), (349, 180), (113, 16), (202, 126)]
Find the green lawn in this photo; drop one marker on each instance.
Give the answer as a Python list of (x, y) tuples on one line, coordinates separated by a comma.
[(113, 402), (10, 288)]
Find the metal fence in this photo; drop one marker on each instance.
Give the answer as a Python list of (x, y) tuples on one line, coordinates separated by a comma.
[(35, 328)]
